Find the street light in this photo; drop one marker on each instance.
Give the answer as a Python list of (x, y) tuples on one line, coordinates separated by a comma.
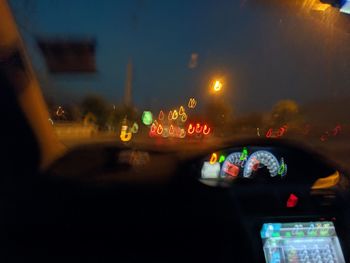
[(217, 85)]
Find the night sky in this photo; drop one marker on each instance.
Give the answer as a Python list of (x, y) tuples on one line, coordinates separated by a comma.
[(264, 52)]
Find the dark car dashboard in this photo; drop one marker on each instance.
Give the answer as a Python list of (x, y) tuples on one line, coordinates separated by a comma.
[(289, 201), (251, 202)]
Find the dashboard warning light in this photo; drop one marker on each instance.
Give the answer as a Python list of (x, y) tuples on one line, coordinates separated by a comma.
[(231, 170), (292, 201), (213, 158)]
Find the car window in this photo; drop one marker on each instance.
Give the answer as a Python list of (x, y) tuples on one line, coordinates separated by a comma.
[(175, 73)]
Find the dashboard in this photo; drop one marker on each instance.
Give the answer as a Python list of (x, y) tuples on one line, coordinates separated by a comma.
[(252, 202), (246, 163), (261, 164), (288, 195)]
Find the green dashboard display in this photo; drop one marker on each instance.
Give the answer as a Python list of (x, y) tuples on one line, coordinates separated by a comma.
[(301, 242)]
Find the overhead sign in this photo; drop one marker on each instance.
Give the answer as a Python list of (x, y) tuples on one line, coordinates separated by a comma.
[(69, 56)]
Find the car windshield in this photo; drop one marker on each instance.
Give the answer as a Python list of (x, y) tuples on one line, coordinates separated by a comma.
[(185, 74)]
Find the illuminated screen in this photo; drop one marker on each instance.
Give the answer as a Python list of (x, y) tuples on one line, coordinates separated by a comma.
[(301, 242), (210, 171)]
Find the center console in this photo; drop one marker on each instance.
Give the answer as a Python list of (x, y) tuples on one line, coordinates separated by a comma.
[(301, 242)]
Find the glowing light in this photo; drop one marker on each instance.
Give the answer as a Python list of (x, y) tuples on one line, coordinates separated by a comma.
[(59, 111), (175, 115), (153, 128), (206, 130), (244, 154), (165, 132), (222, 158), (217, 85), (125, 136), (161, 115), (258, 131), (326, 182), (282, 169), (51, 121), (256, 164), (184, 117), (210, 171), (171, 130), (151, 134), (147, 118), (190, 129), (181, 110), (134, 128), (170, 115), (231, 169), (321, 7), (213, 158), (192, 103), (279, 133), (199, 128), (182, 133), (160, 129), (336, 130), (324, 137), (269, 133), (292, 201)]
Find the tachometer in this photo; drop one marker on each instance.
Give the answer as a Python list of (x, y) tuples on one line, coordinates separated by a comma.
[(232, 165), (262, 158)]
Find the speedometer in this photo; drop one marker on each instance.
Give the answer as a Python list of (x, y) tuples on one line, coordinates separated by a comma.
[(232, 165), (260, 159)]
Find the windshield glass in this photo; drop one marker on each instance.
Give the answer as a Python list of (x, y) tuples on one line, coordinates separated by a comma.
[(176, 73)]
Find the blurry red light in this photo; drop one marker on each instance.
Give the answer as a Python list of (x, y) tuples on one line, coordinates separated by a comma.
[(206, 130), (160, 129), (231, 169), (199, 128), (292, 201), (190, 129)]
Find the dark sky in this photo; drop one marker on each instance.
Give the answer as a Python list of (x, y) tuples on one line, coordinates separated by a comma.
[(264, 52)]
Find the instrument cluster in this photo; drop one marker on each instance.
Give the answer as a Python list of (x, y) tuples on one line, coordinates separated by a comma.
[(245, 163)]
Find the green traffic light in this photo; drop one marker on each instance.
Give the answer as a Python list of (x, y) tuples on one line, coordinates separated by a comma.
[(147, 118)]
